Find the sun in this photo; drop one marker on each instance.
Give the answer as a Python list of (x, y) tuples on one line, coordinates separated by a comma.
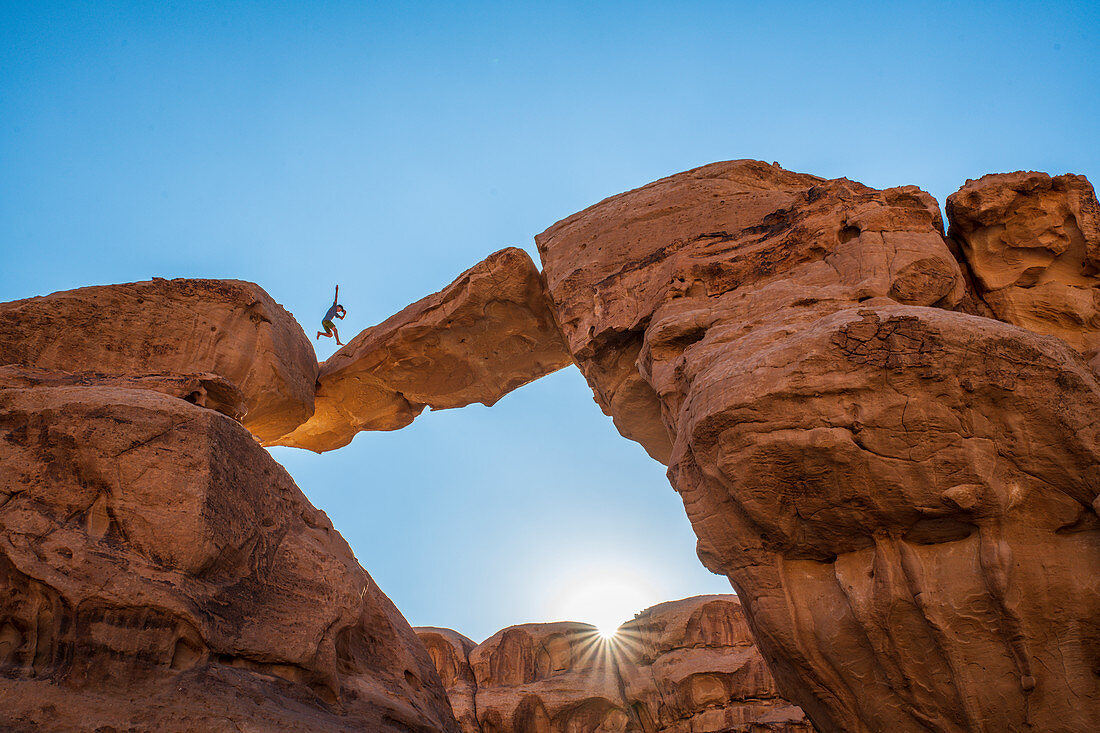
[(606, 599)]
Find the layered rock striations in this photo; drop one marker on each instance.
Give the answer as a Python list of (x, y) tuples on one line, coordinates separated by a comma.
[(159, 571), (1033, 245), (183, 328), (484, 335), (901, 494), (682, 667)]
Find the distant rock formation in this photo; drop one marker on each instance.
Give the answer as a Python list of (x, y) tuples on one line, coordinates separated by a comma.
[(681, 667), (160, 571), (229, 328), (1033, 244), (902, 494), (484, 335), (450, 652)]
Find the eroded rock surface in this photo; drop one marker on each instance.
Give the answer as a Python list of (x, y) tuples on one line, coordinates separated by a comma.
[(741, 249), (229, 328), (1033, 244), (687, 666), (159, 571), (484, 335), (450, 653), (691, 666), (549, 678), (902, 495)]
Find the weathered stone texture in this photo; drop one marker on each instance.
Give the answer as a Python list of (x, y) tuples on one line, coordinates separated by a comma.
[(741, 249), (159, 571), (902, 495), (450, 653), (1033, 245), (484, 335), (184, 327)]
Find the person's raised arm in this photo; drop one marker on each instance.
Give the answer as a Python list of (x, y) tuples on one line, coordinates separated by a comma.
[(336, 297)]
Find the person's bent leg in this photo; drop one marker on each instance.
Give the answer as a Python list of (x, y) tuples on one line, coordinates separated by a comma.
[(337, 334)]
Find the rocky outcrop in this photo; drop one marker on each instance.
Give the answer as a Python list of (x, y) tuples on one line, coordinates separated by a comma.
[(682, 667), (902, 495), (159, 571), (484, 335), (1033, 245), (691, 666), (550, 678), (638, 279), (450, 653), (186, 328)]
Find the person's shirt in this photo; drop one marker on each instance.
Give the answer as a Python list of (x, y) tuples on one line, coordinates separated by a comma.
[(331, 312)]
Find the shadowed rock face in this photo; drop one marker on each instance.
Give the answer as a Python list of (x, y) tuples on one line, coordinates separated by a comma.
[(229, 328), (1033, 244), (159, 571), (450, 653), (681, 667), (485, 334), (901, 494)]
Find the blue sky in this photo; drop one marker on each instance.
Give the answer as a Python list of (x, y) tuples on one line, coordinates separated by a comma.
[(389, 146)]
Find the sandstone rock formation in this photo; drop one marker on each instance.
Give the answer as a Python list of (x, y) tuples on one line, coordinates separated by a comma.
[(691, 666), (639, 278), (682, 667), (484, 335), (159, 571), (450, 653), (1033, 244), (902, 495), (229, 328), (548, 678)]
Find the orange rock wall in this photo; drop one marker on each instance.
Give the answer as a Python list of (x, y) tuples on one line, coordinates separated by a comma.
[(159, 571), (902, 494)]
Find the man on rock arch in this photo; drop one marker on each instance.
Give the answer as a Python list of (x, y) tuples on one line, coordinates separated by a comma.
[(336, 311)]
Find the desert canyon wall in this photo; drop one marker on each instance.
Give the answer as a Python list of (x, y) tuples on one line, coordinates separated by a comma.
[(885, 436), (685, 666)]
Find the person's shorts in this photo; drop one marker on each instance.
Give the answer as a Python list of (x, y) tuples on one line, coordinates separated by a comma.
[(329, 326)]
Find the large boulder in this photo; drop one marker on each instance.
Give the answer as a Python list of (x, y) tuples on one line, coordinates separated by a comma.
[(159, 571), (639, 278), (902, 495), (1033, 245), (487, 333), (229, 328), (685, 666)]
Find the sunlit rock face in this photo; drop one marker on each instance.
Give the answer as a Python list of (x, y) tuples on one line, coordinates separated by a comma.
[(1033, 245), (229, 328), (547, 678), (159, 571), (686, 666), (901, 494), (487, 333)]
